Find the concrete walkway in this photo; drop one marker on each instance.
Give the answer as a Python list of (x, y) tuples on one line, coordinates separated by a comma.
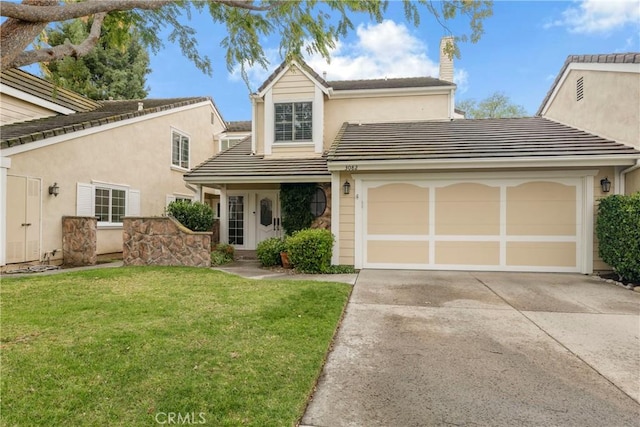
[(251, 269), (422, 348)]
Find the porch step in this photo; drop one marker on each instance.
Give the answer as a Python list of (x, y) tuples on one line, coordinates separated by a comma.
[(242, 254)]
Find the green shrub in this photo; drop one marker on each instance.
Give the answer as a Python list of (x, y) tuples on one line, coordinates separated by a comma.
[(222, 254), (618, 231), (310, 250), (340, 269), (295, 200), (195, 216), (268, 251)]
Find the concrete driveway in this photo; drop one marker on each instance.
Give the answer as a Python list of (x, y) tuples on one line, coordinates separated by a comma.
[(466, 349)]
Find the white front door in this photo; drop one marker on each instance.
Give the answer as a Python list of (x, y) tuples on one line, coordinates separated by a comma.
[(267, 216)]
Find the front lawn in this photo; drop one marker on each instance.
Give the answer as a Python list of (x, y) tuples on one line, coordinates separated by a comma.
[(139, 345)]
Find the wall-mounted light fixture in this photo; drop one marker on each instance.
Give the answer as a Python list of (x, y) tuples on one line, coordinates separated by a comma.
[(605, 184), (54, 189), (346, 187)]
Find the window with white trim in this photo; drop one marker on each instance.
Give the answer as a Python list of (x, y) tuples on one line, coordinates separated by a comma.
[(179, 150), (109, 203), (293, 121)]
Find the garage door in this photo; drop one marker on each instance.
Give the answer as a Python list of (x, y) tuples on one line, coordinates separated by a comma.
[(500, 225)]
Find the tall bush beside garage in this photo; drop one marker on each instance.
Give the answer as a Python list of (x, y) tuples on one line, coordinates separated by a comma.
[(310, 250), (295, 200), (618, 231)]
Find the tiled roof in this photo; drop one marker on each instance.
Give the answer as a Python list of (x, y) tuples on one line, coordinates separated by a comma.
[(387, 83), (611, 58), (28, 83), (392, 83), (108, 112), (237, 163), (532, 137), (239, 126)]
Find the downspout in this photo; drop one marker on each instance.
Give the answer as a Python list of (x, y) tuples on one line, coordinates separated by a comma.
[(622, 174), (197, 190)]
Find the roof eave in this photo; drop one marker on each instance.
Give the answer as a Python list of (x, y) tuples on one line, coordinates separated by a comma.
[(482, 163), (269, 179), (364, 93)]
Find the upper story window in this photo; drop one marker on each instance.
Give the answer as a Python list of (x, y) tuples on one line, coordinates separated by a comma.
[(293, 121), (179, 150)]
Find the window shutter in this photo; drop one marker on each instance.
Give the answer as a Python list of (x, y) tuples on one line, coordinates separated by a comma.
[(85, 205), (133, 205)]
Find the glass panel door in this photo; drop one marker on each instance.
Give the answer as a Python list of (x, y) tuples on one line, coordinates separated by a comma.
[(236, 220)]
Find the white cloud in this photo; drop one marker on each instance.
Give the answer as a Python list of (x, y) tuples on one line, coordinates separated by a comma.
[(461, 79), (598, 16), (387, 49)]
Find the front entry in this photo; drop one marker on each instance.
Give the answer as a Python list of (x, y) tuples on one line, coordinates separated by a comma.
[(268, 222)]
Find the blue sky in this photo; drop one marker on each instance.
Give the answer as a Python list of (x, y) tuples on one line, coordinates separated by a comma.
[(523, 48)]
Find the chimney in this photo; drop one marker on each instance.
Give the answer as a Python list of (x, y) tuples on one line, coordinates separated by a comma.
[(446, 62), (140, 106)]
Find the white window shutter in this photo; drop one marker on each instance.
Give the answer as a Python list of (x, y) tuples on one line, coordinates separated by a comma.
[(133, 205), (85, 205)]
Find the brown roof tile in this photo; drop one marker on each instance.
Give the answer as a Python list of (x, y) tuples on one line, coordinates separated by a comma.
[(28, 83), (237, 163), (464, 139), (239, 126), (108, 112)]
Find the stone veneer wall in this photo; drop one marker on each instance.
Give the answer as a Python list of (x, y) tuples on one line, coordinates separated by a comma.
[(164, 241), (79, 240), (324, 220)]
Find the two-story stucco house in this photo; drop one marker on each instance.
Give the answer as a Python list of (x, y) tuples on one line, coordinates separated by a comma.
[(410, 185), (64, 155), (600, 94)]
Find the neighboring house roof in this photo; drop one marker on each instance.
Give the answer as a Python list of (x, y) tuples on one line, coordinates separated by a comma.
[(611, 58), (532, 137), (107, 112), (386, 83), (239, 126), (40, 88), (238, 164)]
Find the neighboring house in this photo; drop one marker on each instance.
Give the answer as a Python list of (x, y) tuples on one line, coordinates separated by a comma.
[(409, 186), (107, 159), (236, 132), (600, 94)]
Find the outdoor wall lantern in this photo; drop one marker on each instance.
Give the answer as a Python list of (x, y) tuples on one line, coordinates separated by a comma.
[(54, 189), (605, 184), (346, 187)]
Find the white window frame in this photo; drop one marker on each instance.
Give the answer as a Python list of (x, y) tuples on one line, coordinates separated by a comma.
[(293, 123), (232, 140), (86, 201), (185, 135)]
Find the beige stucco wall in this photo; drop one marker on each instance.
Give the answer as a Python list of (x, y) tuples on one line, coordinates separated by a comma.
[(381, 109), (296, 86), (632, 182), (17, 110), (610, 106), (137, 155)]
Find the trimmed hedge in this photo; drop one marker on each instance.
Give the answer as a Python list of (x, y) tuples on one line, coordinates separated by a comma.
[(268, 251), (195, 216), (310, 250), (295, 200), (618, 231)]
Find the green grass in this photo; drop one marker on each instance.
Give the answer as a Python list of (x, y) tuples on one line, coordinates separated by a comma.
[(126, 346)]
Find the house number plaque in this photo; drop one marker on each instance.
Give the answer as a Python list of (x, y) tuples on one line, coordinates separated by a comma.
[(351, 167)]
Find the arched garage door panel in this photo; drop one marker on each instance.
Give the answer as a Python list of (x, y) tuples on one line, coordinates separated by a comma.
[(510, 225)]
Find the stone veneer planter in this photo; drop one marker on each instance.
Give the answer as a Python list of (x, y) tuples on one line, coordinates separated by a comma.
[(164, 241), (79, 240)]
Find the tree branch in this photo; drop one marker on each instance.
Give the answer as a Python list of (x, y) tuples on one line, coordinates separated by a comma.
[(55, 13), (64, 50)]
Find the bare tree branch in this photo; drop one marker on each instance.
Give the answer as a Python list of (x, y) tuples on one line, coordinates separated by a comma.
[(54, 12), (66, 49), (63, 12)]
